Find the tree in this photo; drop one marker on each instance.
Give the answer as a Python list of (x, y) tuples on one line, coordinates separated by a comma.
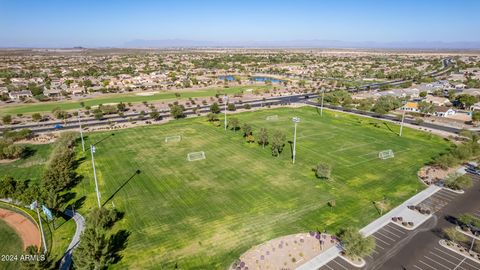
[(121, 107), (155, 115), (234, 123), (212, 117), (278, 142), (475, 116), (423, 94), (177, 111), (385, 104), (7, 119), (466, 100), (323, 171), (214, 108), (453, 235), (36, 117), (247, 129), (247, 106), (231, 107), (98, 114), (355, 244), (263, 137), (458, 183), (425, 107)]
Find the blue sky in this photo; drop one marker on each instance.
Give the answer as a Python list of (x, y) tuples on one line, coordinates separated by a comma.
[(112, 23)]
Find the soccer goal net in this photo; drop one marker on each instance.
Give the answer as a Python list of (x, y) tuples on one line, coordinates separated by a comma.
[(196, 156), (385, 154), (272, 117), (175, 138)]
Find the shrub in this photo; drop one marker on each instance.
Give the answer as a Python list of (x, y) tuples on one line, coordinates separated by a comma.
[(323, 171), (460, 182), (453, 235)]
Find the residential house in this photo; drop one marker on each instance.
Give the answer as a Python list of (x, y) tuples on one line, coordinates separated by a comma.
[(54, 92), (411, 107), (443, 111), (17, 95), (437, 101)]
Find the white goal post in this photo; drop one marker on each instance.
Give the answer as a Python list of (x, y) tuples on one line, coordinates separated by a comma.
[(385, 154), (175, 138), (196, 156), (272, 117)]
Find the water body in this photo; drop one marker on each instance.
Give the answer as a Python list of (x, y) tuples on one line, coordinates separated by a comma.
[(263, 79), (227, 77)]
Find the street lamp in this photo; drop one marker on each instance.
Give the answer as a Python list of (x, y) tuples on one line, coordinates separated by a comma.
[(295, 120), (321, 106), (225, 101), (403, 118), (92, 151)]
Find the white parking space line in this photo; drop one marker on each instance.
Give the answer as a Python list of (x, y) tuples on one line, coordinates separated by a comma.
[(340, 265), (417, 267), (329, 267), (446, 253), (374, 251), (389, 238), (391, 226), (467, 262), (427, 264), (442, 258), (449, 194), (435, 262), (381, 240), (390, 232), (445, 198)]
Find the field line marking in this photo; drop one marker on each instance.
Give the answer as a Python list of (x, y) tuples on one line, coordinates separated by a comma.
[(426, 264)]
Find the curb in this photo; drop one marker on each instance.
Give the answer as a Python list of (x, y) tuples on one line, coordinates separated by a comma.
[(442, 243), (360, 265)]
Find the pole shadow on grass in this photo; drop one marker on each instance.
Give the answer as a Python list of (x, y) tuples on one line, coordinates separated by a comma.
[(119, 188), (389, 128), (291, 148)]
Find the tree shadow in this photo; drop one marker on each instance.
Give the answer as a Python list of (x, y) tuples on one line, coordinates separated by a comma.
[(120, 187), (28, 152), (77, 204), (117, 243)]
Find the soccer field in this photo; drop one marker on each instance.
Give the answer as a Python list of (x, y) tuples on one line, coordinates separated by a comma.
[(203, 214), (11, 245)]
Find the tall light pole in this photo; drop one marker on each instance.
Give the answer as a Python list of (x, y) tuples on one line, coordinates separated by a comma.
[(81, 132), (295, 120), (41, 229), (321, 106), (92, 150), (225, 100), (401, 124)]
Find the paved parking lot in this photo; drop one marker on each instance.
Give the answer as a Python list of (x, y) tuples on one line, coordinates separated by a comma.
[(337, 264), (438, 200), (442, 258)]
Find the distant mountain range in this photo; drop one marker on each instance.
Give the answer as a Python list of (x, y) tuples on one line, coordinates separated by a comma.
[(183, 43)]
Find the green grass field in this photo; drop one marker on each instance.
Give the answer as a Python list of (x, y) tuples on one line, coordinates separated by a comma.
[(11, 244), (204, 214), (117, 98)]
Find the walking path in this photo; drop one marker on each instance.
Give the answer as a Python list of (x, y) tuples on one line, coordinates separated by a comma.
[(371, 228), (80, 222)]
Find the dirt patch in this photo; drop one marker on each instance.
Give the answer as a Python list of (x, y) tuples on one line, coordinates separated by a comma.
[(25, 228), (432, 174)]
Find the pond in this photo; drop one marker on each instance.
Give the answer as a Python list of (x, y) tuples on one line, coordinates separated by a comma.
[(263, 79), (226, 77)]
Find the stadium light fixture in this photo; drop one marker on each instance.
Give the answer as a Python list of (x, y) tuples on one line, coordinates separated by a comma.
[(403, 119), (92, 151), (321, 106), (295, 120)]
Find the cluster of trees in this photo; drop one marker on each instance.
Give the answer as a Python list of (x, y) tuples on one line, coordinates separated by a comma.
[(458, 182), (177, 111), (99, 247), (382, 105), (355, 244), (60, 173), (460, 153), (9, 150)]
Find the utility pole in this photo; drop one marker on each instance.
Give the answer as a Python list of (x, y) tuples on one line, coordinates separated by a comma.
[(473, 240), (295, 120), (92, 150), (41, 229), (401, 124), (81, 132), (321, 106), (225, 100)]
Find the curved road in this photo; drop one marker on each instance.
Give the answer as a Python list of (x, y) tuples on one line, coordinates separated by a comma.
[(80, 223)]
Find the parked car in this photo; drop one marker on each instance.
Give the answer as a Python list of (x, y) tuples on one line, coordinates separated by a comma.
[(58, 126)]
